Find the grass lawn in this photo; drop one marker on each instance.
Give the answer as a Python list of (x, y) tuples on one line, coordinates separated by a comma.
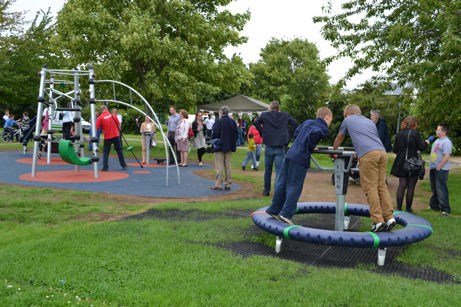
[(51, 256)]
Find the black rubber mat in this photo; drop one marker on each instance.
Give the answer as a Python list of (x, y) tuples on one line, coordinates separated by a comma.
[(308, 253), (191, 215)]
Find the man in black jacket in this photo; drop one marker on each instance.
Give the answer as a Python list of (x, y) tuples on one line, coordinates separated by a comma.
[(225, 129), (381, 126), (276, 129)]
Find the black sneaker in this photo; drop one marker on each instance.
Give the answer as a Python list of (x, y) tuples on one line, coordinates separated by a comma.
[(409, 210), (104, 170), (390, 224), (124, 168), (286, 220), (243, 168), (378, 227), (265, 193)]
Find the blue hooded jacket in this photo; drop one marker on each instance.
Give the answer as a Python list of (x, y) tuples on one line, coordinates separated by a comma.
[(307, 136)]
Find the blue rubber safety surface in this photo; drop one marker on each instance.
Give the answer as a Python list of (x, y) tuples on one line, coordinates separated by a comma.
[(150, 185), (416, 228)]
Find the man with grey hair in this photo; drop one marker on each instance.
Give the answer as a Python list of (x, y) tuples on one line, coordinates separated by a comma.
[(276, 129), (224, 129), (373, 165), (381, 126)]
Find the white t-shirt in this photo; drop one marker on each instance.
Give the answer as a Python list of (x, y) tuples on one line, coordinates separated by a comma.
[(119, 116), (209, 123)]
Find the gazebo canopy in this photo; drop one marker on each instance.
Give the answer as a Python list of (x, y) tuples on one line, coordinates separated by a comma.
[(239, 103)]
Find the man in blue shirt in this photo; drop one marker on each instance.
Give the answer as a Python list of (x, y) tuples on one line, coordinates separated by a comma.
[(290, 184), (9, 123), (173, 121)]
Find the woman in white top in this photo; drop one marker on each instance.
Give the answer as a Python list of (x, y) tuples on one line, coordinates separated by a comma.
[(147, 136), (182, 137)]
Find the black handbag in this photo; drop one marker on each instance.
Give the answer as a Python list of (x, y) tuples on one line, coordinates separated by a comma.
[(217, 143), (415, 167)]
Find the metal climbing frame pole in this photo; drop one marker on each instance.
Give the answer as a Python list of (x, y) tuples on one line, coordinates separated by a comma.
[(77, 124), (92, 101), (340, 194), (38, 125), (341, 171), (50, 122)]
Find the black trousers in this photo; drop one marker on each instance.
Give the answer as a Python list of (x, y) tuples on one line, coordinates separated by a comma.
[(118, 148), (66, 127), (171, 139)]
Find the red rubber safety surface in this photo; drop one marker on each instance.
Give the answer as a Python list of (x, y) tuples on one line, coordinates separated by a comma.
[(72, 176), (145, 165), (141, 172), (54, 161)]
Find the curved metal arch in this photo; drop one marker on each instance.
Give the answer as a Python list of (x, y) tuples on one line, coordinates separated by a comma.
[(156, 121)]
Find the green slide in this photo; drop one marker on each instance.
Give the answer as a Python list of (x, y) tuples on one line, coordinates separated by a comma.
[(68, 154)]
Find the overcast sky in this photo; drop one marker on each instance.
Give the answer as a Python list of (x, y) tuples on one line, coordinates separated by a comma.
[(286, 19)]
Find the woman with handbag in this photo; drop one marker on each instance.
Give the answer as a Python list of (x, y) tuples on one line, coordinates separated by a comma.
[(200, 131), (182, 136), (407, 145)]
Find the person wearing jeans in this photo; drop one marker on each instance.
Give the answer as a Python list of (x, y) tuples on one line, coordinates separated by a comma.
[(276, 129), (439, 166), (273, 155), (290, 184)]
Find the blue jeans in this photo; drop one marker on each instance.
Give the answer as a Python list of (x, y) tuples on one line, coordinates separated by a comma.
[(259, 149), (250, 156), (272, 155), (288, 189), (98, 134), (439, 199), (118, 148), (240, 140)]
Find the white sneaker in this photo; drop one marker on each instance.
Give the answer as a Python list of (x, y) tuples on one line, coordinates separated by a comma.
[(378, 227), (257, 163), (390, 224)]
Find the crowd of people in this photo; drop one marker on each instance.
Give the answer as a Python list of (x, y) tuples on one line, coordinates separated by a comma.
[(275, 130)]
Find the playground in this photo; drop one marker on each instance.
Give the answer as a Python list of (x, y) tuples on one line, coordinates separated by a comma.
[(200, 243)]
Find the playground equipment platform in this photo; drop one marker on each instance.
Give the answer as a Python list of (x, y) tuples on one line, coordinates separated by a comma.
[(136, 181)]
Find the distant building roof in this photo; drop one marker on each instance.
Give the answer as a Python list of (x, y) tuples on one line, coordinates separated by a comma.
[(397, 90), (238, 103)]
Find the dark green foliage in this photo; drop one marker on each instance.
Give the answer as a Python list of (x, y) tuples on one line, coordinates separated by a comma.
[(171, 51), (21, 56), (409, 42), (292, 73)]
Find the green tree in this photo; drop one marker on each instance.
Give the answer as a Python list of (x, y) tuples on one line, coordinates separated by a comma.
[(21, 56), (416, 42), (172, 51), (292, 73)]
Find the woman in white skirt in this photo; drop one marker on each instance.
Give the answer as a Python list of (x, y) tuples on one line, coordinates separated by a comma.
[(182, 137), (200, 131)]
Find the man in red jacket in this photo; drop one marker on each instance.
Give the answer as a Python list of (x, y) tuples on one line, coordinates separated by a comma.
[(111, 128)]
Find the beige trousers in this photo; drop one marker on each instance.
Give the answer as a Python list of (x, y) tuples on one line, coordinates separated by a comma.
[(144, 146), (373, 166), (222, 163)]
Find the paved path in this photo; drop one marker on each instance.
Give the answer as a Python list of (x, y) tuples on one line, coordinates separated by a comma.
[(148, 181)]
